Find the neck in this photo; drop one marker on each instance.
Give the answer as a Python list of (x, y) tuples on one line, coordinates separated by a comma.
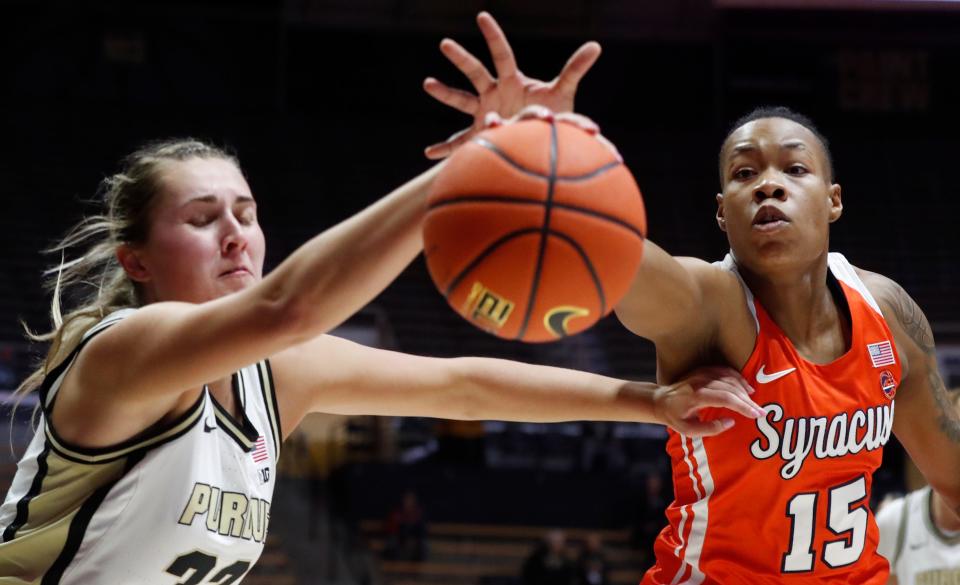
[(801, 304), (944, 518)]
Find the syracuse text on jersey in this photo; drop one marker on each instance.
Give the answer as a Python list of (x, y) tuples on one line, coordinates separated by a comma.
[(794, 439), (227, 513)]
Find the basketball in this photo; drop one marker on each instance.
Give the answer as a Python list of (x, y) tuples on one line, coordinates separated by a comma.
[(534, 230)]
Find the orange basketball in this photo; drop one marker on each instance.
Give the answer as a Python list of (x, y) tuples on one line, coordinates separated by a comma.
[(534, 230)]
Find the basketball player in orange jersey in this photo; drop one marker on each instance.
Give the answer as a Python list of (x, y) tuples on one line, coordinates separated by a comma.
[(783, 499)]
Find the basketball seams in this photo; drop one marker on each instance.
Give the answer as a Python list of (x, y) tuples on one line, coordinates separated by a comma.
[(544, 231), (590, 267), (557, 178), (587, 176), (455, 282), (510, 200), (518, 217)]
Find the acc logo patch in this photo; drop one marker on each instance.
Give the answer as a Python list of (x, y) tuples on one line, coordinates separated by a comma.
[(888, 384), (487, 308), (558, 318)]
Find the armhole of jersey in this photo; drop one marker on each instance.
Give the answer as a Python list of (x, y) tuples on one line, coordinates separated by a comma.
[(270, 402), (730, 263), (847, 274), (51, 383), (151, 437), (901, 531)]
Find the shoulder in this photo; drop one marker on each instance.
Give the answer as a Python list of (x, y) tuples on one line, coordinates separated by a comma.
[(892, 298), (724, 302), (884, 289), (902, 313), (721, 272)]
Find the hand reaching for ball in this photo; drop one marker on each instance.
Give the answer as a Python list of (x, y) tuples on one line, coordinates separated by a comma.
[(538, 112), (508, 93)]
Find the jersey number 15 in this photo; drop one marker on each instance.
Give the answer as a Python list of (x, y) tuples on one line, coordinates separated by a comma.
[(847, 518)]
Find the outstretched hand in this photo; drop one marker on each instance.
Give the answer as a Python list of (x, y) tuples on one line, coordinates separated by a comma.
[(509, 92), (679, 405)]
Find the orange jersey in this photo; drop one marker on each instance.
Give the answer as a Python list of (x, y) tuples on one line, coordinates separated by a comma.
[(785, 498)]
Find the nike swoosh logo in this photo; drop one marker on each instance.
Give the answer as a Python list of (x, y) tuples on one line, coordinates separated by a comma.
[(208, 429), (765, 378)]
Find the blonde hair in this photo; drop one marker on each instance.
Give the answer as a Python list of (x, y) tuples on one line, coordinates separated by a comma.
[(93, 283)]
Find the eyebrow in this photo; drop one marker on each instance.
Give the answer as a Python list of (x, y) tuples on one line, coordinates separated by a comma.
[(794, 145), (751, 147), (213, 199)]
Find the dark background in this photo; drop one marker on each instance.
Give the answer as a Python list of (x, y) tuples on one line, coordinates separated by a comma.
[(322, 101)]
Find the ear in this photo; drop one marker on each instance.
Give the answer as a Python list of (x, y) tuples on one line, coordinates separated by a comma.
[(836, 203), (721, 221), (132, 264)]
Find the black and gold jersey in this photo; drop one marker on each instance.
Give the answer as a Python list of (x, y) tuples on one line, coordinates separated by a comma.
[(190, 500)]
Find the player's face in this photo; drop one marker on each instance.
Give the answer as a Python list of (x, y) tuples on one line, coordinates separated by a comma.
[(204, 240), (777, 201)]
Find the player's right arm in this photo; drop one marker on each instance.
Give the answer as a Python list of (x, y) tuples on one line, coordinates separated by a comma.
[(690, 309), (132, 374)]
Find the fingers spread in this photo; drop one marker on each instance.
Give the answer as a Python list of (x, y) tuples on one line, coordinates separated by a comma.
[(446, 148), (437, 151), (578, 65), (503, 59), (455, 98), (469, 65)]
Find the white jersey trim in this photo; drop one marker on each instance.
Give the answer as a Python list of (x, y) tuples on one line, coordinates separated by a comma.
[(105, 455), (689, 549), (729, 262), (847, 274)]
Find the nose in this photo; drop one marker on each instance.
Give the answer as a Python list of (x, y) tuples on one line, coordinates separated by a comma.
[(769, 187), (233, 240)]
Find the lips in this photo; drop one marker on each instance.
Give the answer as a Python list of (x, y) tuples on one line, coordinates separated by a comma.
[(237, 270), (769, 214)]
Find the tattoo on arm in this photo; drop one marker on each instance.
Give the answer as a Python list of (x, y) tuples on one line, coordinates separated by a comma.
[(947, 415), (915, 324), (912, 319)]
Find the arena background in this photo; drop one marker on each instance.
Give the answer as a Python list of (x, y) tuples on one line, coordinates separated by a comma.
[(322, 101)]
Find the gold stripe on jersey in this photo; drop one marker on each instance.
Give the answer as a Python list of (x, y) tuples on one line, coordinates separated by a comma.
[(270, 401), (41, 540), (226, 423), (243, 432), (99, 456)]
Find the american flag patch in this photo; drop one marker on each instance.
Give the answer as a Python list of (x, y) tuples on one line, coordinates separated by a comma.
[(260, 450), (881, 354)]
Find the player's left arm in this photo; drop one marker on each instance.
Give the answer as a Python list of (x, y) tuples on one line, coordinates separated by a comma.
[(334, 375), (925, 421)]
